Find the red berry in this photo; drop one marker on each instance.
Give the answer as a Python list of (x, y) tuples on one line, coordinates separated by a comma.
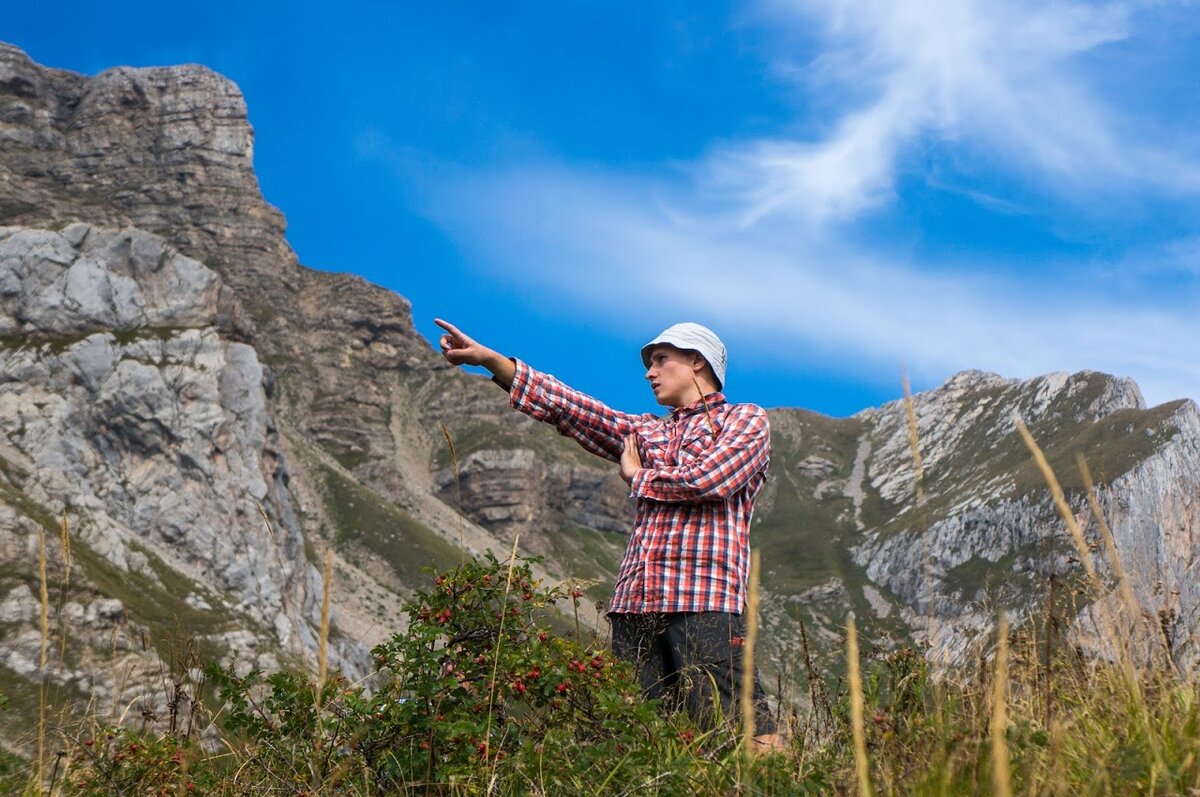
[(543, 636), (576, 593), (562, 687)]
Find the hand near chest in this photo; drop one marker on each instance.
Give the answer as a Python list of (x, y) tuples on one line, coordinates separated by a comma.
[(663, 447)]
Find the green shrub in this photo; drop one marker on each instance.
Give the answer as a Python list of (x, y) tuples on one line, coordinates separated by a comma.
[(480, 695)]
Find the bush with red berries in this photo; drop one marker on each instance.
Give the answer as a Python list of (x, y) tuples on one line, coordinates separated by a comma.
[(482, 683), (125, 761)]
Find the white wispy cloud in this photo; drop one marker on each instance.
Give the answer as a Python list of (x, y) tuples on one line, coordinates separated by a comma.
[(609, 245), (754, 235), (1001, 76)]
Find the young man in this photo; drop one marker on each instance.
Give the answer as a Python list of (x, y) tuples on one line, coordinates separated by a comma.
[(677, 603)]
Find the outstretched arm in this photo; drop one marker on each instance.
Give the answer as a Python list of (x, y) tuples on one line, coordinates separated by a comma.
[(460, 349), (595, 426)]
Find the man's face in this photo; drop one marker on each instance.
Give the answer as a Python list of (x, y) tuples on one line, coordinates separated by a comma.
[(672, 375)]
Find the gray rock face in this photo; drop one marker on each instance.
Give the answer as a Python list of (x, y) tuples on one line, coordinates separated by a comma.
[(511, 491), (162, 149), (990, 542), (83, 280), (152, 430)]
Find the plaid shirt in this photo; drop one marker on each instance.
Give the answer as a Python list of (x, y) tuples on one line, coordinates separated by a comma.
[(690, 546)]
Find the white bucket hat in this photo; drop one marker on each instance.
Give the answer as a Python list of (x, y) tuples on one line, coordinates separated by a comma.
[(692, 337)]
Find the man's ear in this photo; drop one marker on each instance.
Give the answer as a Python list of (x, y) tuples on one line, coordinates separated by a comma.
[(698, 363)]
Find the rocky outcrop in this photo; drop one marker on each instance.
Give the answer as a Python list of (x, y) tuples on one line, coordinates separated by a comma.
[(496, 488), (989, 538), (126, 409)]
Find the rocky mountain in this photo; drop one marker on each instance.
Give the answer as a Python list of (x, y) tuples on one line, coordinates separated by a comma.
[(208, 417)]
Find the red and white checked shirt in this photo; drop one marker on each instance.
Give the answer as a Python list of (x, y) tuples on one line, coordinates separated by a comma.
[(690, 546)]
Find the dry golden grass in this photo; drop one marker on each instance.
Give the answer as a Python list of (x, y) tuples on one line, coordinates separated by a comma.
[(1001, 780), (44, 625), (323, 643), (862, 765), (747, 696)]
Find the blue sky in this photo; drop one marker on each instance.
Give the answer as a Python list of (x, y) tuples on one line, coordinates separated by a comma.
[(840, 189)]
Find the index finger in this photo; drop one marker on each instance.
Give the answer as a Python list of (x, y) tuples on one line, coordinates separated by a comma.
[(446, 325)]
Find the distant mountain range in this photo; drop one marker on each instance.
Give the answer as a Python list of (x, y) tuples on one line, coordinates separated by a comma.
[(208, 417)]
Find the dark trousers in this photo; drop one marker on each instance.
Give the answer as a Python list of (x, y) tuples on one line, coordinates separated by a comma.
[(682, 657)]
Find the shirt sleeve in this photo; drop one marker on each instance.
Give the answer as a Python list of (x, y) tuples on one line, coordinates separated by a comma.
[(742, 450), (598, 428)]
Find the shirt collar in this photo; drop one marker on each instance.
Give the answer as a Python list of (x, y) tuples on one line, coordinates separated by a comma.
[(713, 400)]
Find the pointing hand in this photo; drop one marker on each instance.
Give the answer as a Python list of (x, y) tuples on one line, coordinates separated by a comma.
[(458, 348)]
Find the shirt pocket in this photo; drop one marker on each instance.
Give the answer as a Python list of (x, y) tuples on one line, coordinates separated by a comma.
[(695, 446), (655, 448)]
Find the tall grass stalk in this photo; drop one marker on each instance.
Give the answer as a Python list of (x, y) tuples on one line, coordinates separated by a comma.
[(707, 412), (914, 444), (462, 551), (487, 736), (1076, 533), (64, 543), (288, 605), (44, 622), (914, 441), (1001, 780), (1119, 649), (748, 730), (1110, 545), (854, 675), (323, 645)]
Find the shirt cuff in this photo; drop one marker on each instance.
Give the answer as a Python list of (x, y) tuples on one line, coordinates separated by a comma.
[(640, 486), (522, 385)]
